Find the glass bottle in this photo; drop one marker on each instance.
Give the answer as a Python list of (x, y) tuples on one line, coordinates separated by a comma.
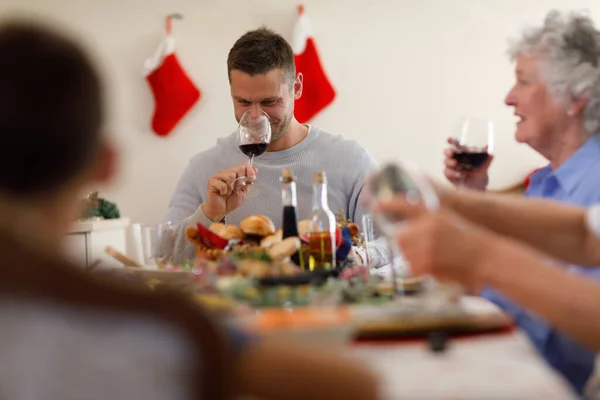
[(290, 213), (321, 237)]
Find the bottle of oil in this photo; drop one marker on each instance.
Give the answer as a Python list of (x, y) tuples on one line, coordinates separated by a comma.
[(323, 226), (290, 214)]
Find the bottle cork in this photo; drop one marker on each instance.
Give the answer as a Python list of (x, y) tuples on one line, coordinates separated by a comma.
[(287, 175), (320, 178)]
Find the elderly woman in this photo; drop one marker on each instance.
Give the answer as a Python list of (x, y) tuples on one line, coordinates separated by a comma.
[(556, 66), (557, 101)]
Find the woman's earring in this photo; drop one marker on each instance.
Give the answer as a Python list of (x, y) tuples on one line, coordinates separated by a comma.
[(570, 113)]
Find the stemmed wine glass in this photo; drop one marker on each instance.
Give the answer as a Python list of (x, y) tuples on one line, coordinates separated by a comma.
[(254, 137), (393, 180), (472, 144)]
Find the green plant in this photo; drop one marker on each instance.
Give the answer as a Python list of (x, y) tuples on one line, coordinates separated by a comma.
[(95, 206)]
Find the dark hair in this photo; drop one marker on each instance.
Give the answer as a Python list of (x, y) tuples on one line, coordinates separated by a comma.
[(50, 109), (260, 51)]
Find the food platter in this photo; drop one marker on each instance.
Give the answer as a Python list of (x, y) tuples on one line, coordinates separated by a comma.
[(245, 272), (324, 310)]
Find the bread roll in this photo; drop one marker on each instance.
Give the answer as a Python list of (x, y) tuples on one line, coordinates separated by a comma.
[(289, 268), (217, 228), (257, 225), (209, 254), (270, 240), (253, 268), (191, 233), (284, 249), (231, 232)]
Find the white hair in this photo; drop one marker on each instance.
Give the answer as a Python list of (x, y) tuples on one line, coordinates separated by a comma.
[(568, 47)]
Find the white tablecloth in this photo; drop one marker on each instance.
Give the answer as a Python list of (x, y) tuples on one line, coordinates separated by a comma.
[(503, 366)]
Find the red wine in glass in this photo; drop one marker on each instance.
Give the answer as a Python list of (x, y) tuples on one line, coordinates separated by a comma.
[(470, 160), (254, 136), (472, 144), (253, 149)]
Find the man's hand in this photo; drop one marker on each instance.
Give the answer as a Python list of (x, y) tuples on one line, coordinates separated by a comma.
[(474, 179), (221, 199)]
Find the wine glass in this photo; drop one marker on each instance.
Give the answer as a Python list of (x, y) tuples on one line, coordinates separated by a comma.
[(398, 179), (472, 144), (155, 243), (254, 137), (368, 238)]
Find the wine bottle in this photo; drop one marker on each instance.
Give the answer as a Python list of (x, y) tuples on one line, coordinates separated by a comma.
[(321, 237), (290, 213)]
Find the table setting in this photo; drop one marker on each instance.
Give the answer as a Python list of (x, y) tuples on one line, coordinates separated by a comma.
[(311, 281)]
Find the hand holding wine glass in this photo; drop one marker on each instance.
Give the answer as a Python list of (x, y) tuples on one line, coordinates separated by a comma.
[(221, 199), (398, 180), (254, 137), (391, 182), (444, 245), (470, 154)]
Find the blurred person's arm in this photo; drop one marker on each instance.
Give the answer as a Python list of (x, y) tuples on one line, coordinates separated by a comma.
[(445, 245), (272, 369), (560, 230), (568, 302)]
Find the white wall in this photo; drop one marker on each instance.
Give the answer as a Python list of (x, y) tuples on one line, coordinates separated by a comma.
[(404, 71)]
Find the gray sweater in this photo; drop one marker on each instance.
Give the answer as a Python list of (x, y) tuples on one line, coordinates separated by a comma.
[(345, 162)]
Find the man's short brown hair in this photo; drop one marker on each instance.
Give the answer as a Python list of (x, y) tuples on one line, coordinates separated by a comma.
[(260, 51)]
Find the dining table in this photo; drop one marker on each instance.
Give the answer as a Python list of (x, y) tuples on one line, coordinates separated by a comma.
[(494, 364), (502, 365)]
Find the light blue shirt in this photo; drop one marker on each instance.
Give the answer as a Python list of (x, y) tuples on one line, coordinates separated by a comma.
[(576, 182)]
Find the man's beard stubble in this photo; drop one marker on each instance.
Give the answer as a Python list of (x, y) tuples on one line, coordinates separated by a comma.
[(282, 128)]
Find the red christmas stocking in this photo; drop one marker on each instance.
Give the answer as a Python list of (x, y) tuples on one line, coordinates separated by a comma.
[(317, 92), (174, 93)]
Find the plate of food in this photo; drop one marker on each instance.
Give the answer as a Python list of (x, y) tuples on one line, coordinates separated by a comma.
[(419, 316), (315, 326)]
